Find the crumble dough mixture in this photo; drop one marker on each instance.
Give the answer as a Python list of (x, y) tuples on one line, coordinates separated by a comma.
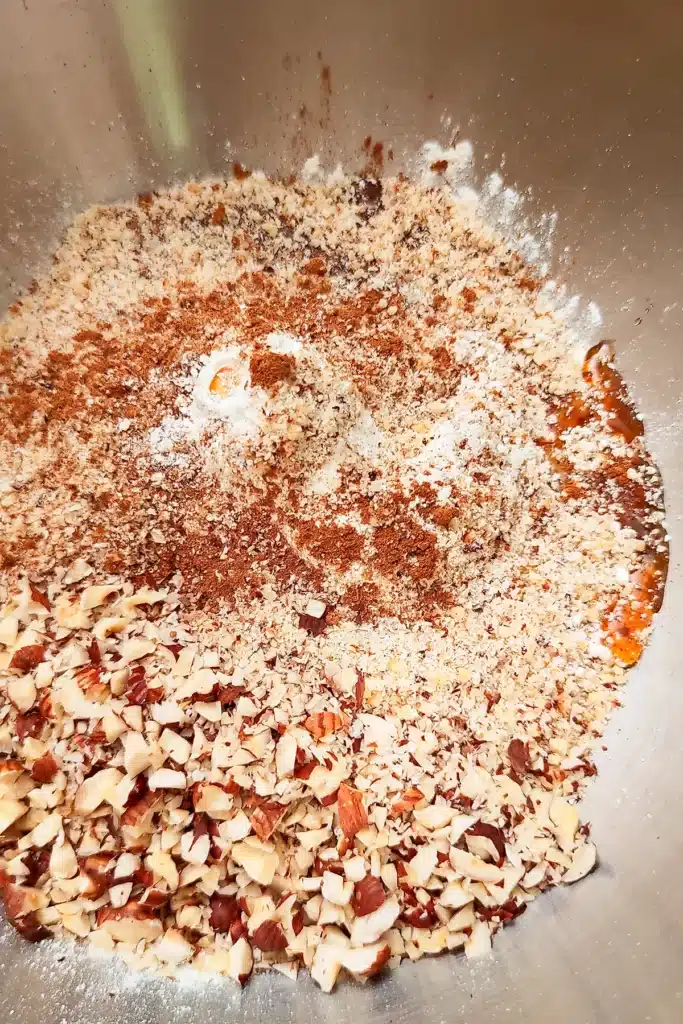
[(323, 554)]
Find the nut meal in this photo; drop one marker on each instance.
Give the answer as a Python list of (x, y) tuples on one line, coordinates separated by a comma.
[(325, 547)]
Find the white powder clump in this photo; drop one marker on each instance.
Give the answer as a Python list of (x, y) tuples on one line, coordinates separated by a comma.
[(223, 391), (285, 344)]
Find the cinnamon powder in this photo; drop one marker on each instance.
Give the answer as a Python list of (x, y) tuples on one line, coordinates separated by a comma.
[(268, 369), (408, 547)]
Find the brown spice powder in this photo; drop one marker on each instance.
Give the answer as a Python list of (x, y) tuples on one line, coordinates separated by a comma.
[(371, 335), (268, 369), (331, 544)]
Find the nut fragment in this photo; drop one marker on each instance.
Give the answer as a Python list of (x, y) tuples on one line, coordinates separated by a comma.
[(583, 862), (9, 630), (137, 756), (326, 965), (30, 724), (408, 800), (63, 861), (565, 818), (177, 748), (487, 841), (474, 867), (367, 961), (94, 596), (434, 816), (351, 809), (240, 961), (22, 692), (20, 900), (46, 831), (368, 929), (30, 928), (95, 790), (335, 890), (518, 752), (324, 723), (172, 948), (315, 624), (98, 869), (269, 937), (45, 768), (368, 896), (454, 896), (27, 658), (265, 818), (10, 811), (421, 867), (316, 609), (166, 778), (258, 860), (131, 923), (218, 804), (479, 941), (285, 755), (225, 910)]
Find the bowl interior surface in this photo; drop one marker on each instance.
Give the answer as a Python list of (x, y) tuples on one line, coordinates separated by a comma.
[(583, 106)]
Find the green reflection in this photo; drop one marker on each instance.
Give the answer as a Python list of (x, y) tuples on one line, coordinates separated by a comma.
[(145, 27)]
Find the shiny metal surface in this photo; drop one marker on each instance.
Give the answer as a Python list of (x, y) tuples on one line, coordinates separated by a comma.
[(585, 104)]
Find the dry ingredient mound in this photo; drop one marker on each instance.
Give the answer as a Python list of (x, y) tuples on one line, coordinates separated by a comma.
[(324, 548)]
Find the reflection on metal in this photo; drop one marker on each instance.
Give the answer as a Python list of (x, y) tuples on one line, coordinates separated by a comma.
[(147, 34), (585, 101)]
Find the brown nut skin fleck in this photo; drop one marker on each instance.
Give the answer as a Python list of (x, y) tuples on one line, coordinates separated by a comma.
[(30, 928), (17, 899), (39, 597), (265, 818), (134, 910), (139, 692), (420, 917), (518, 752), (26, 658), (312, 625), (225, 910), (324, 723), (140, 810), (229, 694), (37, 862), (493, 834), (98, 869), (44, 769), (30, 724), (359, 690), (407, 801), (269, 937), (218, 215), (351, 809), (368, 896)]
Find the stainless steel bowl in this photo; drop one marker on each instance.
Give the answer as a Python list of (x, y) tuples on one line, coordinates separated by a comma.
[(584, 104)]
